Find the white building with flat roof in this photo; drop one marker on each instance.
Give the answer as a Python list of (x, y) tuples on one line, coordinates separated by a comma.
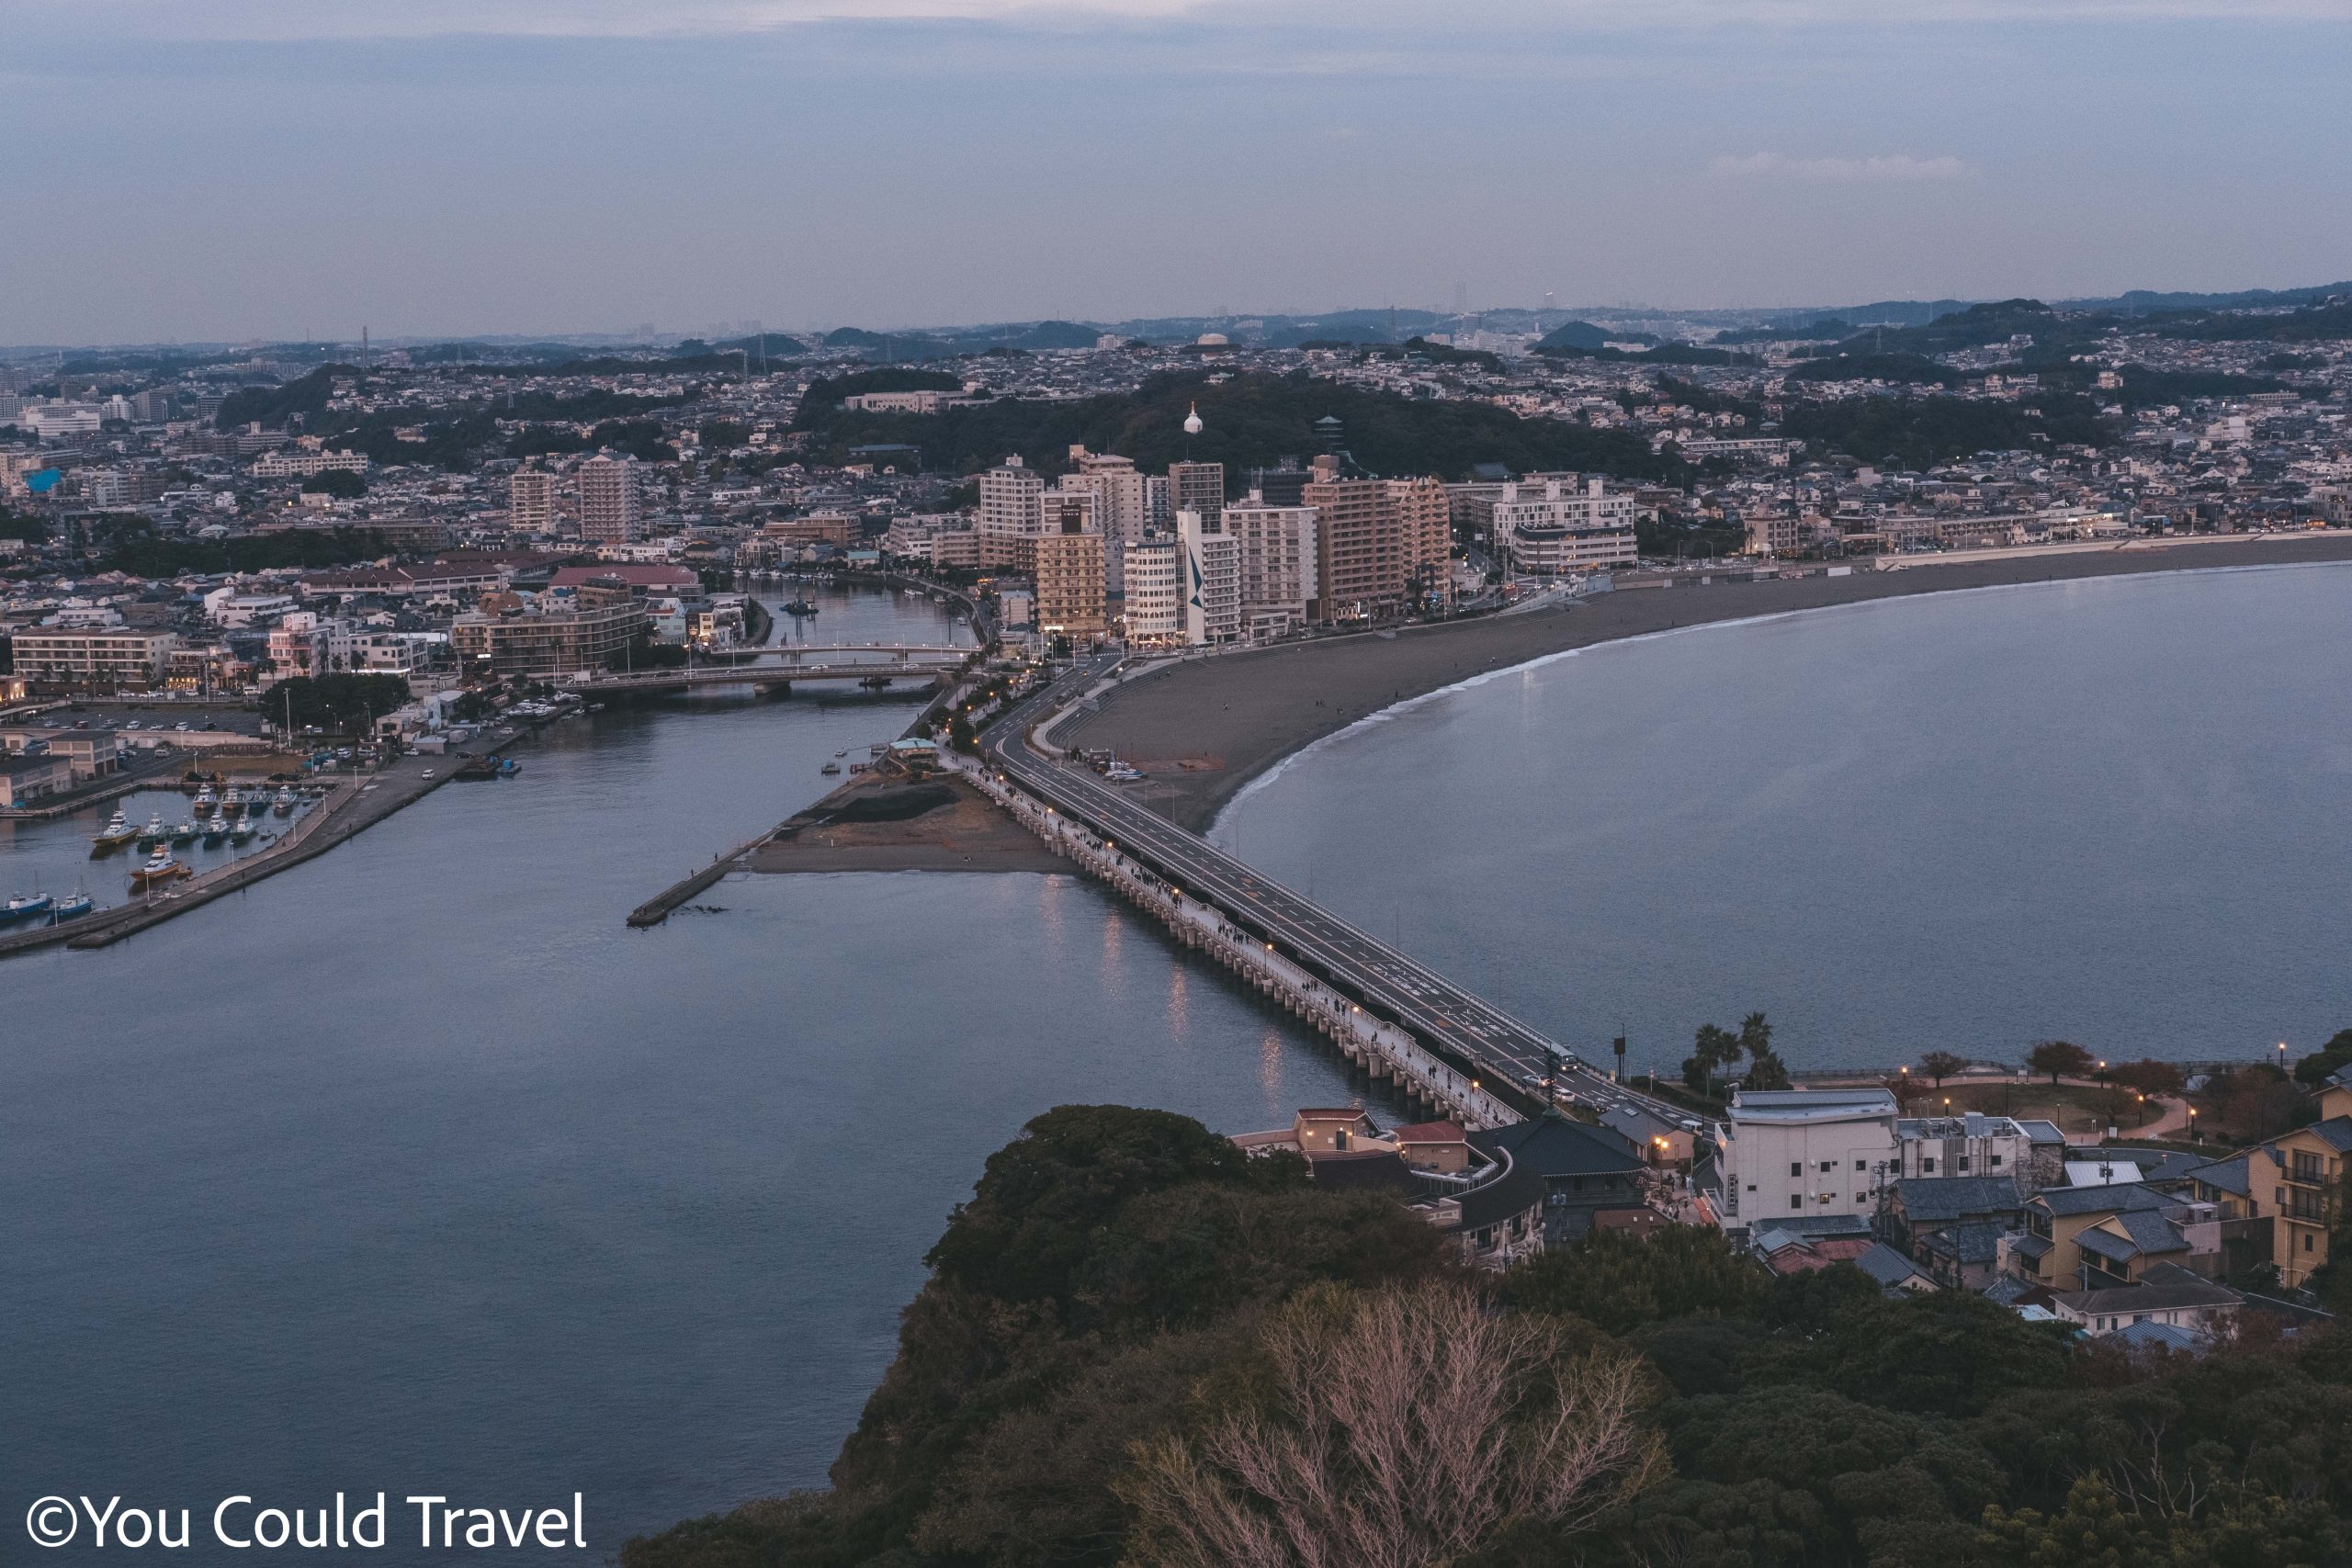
[(1211, 584), (1155, 611), (1794, 1152)]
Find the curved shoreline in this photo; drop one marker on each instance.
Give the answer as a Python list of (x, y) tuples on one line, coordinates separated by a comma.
[(1208, 729)]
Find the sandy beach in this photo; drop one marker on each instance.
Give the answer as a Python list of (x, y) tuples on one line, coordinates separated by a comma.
[(1205, 728)]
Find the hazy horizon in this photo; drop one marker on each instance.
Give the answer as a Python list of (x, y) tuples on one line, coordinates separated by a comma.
[(267, 170)]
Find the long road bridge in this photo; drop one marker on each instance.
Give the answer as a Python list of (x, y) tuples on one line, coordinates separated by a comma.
[(1482, 1044), (875, 664)]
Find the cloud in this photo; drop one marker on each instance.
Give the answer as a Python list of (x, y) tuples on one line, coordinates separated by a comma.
[(355, 19), (1894, 168)]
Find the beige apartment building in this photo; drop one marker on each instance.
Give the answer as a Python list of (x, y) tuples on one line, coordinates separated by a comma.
[(1067, 567)]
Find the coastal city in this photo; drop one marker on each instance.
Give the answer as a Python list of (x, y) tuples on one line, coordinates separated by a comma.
[(975, 784)]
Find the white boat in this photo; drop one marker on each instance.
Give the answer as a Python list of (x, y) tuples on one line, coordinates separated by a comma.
[(284, 804), (161, 867), (116, 833), (205, 801), (243, 830)]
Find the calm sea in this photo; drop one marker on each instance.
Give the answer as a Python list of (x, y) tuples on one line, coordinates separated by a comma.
[(2113, 811)]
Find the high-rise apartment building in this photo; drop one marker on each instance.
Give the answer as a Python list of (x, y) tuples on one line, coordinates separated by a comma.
[(1551, 523), (1198, 487), (530, 501), (1154, 610), (1278, 561), (609, 504), (1011, 511), (1211, 583), (1382, 546), (1425, 523), (1066, 564), (1122, 505)]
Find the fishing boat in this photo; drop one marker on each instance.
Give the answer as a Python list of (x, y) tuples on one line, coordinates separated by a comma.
[(205, 801), (284, 804), (153, 834), (23, 906), (72, 909), (184, 834), (244, 831), (160, 868), (116, 833), (215, 830)]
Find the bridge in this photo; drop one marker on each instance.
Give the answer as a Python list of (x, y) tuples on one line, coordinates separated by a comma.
[(875, 664), (1440, 1043)]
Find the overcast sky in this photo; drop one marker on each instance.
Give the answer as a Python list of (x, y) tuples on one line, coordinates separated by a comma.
[(220, 169)]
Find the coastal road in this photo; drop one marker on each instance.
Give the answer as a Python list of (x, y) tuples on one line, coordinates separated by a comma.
[(1478, 1036)]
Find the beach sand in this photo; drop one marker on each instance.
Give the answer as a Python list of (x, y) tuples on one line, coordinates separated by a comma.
[(1205, 728)]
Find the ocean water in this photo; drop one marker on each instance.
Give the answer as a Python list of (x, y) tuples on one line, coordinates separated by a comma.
[(2112, 811)]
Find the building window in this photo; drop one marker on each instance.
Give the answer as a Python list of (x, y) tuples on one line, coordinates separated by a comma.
[(1751, 1187), (1860, 1166), (1963, 1165), (1827, 1166), (1796, 1167), (1796, 1200), (1928, 1165), (1997, 1162)]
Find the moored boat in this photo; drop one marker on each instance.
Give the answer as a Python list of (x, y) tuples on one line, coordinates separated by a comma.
[(155, 833), (23, 905), (161, 867), (185, 833), (205, 801), (243, 830), (284, 804), (72, 909), (215, 830), (116, 833)]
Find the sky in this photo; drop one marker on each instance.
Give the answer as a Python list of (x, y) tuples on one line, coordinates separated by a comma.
[(208, 170)]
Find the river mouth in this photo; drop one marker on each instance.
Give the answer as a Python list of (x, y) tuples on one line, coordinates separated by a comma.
[(415, 1167)]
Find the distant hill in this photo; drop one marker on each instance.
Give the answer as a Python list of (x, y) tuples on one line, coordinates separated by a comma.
[(1251, 422)]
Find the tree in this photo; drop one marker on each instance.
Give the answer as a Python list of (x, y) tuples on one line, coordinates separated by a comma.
[(1620, 1283), (2149, 1077), (2059, 1058), (1041, 1198), (1940, 1064), (1764, 1069), (346, 703), (2316, 1069), (342, 484), (1714, 1047), (1397, 1430)]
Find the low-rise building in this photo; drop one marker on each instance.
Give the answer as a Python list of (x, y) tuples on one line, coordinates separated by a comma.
[(547, 642), (28, 778), (1797, 1151), (123, 659)]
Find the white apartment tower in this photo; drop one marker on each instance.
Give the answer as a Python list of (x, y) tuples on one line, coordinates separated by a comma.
[(1211, 583), (1155, 610), (1011, 510), (609, 500)]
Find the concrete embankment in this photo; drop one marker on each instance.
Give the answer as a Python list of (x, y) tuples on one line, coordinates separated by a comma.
[(1203, 728)]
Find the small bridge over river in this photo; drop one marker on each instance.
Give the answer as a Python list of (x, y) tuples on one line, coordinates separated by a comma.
[(871, 664)]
